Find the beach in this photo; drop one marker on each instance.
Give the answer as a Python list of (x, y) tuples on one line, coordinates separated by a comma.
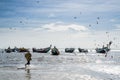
[(66, 66), (68, 39)]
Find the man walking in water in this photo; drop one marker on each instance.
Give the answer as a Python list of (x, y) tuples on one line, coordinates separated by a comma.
[(28, 58)]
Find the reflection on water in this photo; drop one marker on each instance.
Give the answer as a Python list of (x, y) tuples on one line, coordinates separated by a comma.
[(28, 74)]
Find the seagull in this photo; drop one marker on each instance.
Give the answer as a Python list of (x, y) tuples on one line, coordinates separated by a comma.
[(97, 22), (20, 21), (98, 17), (89, 25), (75, 17), (38, 1)]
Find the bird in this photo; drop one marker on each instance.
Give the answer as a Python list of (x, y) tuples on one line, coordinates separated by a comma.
[(89, 25), (20, 21), (38, 1), (97, 22), (75, 17), (98, 17)]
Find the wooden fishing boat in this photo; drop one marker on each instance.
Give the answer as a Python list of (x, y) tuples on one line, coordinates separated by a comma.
[(69, 50), (22, 50), (82, 50), (104, 49), (42, 50), (9, 50)]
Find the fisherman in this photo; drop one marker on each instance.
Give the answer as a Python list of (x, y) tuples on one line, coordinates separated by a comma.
[(28, 58), (55, 51), (55, 48)]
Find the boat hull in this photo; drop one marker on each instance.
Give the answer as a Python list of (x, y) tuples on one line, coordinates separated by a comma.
[(69, 50)]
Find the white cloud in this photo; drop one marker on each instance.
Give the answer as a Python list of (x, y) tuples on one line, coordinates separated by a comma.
[(112, 20), (59, 36), (62, 27), (51, 15), (117, 27)]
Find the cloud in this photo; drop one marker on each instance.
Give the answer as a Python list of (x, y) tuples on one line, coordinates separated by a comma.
[(61, 36), (51, 15), (53, 27), (112, 20), (117, 27)]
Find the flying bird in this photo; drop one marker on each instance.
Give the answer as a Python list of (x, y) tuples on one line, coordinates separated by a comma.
[(97, 22), (20, 21), (75, 17), (98, 17), (89, 25), (38, 1)]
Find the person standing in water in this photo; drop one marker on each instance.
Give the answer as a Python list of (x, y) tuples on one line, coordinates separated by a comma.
[(28, 58)]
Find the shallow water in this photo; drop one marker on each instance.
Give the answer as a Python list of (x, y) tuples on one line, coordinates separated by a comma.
[(66, 66)]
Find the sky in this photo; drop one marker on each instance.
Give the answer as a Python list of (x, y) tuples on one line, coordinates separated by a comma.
[(62, 23)]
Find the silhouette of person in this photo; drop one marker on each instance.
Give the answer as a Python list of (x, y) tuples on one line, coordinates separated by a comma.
[(28, 58)]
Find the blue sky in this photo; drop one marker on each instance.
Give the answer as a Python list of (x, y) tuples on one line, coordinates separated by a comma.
[(38, 23)]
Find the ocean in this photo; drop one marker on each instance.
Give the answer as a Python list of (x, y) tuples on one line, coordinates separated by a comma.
[(66, 66)]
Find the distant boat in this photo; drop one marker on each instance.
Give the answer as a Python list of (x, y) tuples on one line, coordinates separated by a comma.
[(15, 49), (9, 50), (82, 50), (69, 50), (42, 50), (55, 51), (22, 49), (104, 49)]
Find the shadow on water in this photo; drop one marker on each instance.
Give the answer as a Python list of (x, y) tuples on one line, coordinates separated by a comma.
[(28, 74)]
